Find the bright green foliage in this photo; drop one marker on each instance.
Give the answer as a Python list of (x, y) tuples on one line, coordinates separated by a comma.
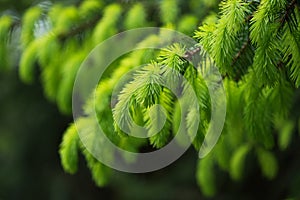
[(104, 89), (264, 30), (233, 14), (70, 146), (254, 44), (157, 115), (99, 171), (69, 150), (172, 57), (66, 86), (285, 135), (176, 117), (262, 88), (90, 8), (30, 20), (205, 34), (67, 19), (53, 47), (106, 26), (268, 163), (206, 177), (281, 97), (192, 119), (291, 47), (187, 24), (169, 11), (258, 110), (223, 154), (27, 62), (237, 162), (146, 82), (136, 17)]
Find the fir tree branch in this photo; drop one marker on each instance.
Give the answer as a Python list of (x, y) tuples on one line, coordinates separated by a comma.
[(287, 12), (280, 65), (79, 29), (189, 54), (245, 44), (15, 24), (239, 53), (248, 18)]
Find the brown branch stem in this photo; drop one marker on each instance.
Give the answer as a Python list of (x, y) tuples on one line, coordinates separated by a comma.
[(79, 29), (239, 53), (190, 53), (287, 12)]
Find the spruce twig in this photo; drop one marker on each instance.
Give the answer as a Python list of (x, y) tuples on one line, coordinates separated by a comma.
[(287, 12), (189, 54), (239, 53), (79, 29)]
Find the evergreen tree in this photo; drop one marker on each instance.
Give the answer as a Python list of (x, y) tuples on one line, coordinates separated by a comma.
[(255, 45)]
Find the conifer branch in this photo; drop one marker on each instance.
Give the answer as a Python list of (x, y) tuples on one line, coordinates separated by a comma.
[(245, 44), (248, 18), (287, 12), (189, 54), (240, 52), (280, 65), (16, 23), (79, 29)]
